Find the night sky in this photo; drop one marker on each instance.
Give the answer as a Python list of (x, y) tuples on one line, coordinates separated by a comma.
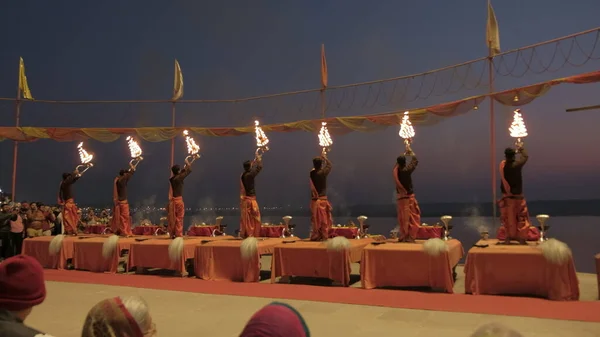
[(102, 50)]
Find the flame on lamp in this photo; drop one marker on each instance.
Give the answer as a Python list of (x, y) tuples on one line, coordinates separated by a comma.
[(134, 148), (192, 147), (84, 156), (324, 137), (517, 129), (407, 132), (261, 137)]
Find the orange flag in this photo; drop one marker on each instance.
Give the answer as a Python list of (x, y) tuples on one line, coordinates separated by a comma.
[(323, 68)]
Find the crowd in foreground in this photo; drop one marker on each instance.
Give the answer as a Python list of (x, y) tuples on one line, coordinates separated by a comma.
[(22, 287)]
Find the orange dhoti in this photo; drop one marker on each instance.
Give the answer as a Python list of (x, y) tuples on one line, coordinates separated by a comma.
[(409, 217), (514, 217), (250, 223), (120, 223), (70, 217), (175, 215), (320, 219)]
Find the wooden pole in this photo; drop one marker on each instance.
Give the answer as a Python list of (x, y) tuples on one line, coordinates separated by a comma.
[(173, 139), (492, 135), (584, 108), (16, 144)]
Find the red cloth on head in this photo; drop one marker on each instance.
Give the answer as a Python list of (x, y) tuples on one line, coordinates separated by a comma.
[(276, 320), (21, 283)]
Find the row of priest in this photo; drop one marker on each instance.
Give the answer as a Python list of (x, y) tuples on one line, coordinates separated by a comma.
[(513, 207)]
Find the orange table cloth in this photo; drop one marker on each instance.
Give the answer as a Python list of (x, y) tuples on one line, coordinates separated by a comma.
[(38, 248), (518, 270), (598, 273), (87, 254), (154, 252), (272, 231), (312, 259), (429, 232), (95, 229), (147, 230), (394, 264), (204, 230), (221, 260)]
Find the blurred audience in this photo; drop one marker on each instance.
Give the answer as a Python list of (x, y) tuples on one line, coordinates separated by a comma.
[(40, 220), (22, 287), (119, 317), (276, 320)]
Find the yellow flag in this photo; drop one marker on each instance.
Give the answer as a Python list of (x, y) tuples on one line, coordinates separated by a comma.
[(23, 86), (492, 33), (324, 75), (177, 83)]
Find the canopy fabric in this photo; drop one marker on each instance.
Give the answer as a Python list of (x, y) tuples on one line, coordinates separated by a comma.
[(336, 125)]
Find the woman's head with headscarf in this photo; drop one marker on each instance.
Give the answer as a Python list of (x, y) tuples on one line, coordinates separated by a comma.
[(495, 330), (119, 317), (276, 320)]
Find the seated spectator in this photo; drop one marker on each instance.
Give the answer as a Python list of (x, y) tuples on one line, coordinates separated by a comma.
[(276, 320), (119, 317), (22, 287), (39, 221)]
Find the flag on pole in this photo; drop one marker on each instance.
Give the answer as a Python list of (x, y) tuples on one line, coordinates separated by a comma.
[(23, 86), (492, 33), (323, 68), (177, 83)]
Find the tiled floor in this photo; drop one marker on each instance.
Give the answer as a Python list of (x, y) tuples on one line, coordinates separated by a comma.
[(191, 314)]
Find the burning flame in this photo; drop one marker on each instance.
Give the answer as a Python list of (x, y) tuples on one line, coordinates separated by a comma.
[(192, 147), (517, 129), (261, 137), (406, 129), (84, 155), (324, 137), (134, 147)]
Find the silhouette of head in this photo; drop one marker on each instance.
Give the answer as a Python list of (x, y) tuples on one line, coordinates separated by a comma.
[(317, 162), (247, 165), (175, 169), (401, 160), (66, 175), (122, 172), (509, 153)]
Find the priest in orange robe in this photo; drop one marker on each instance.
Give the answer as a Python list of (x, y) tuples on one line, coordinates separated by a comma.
[(320, 208), (120, 223), (409, 213), (66, 200), (250, 222), (514, 215), (176, 208)]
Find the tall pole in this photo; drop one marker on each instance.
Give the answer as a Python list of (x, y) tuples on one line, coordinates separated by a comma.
[(323, 103), (492, 134), (16, 144), (173, 139)]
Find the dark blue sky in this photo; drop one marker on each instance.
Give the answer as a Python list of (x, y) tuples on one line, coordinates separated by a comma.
[(227, 49)]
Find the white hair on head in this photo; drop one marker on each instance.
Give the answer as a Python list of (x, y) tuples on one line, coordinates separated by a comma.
[(176, 249), (249, 248), (495, 330), (435, 246), (555, 251), (138, 308), (56, 245), (109, 246), (338, 244)]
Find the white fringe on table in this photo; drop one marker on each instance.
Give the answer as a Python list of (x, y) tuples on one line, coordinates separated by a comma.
[(338, 244), (110, 246), (555, 251), (176, 249), (249, 248), (435, 247), (56, 244)]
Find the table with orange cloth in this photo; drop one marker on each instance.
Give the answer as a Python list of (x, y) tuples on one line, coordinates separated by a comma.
[(146, 230), (87, 254), (94, 229), (394, 264), (295, 257), (345, 231), (598, 273), (202, 230), (518, 270), (38, 248), (429, 232), (272, 231), (154, 252), (221, 260)]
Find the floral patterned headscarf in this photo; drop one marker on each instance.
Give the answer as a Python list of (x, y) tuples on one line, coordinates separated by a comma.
[(276, 320), (110, 318)]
